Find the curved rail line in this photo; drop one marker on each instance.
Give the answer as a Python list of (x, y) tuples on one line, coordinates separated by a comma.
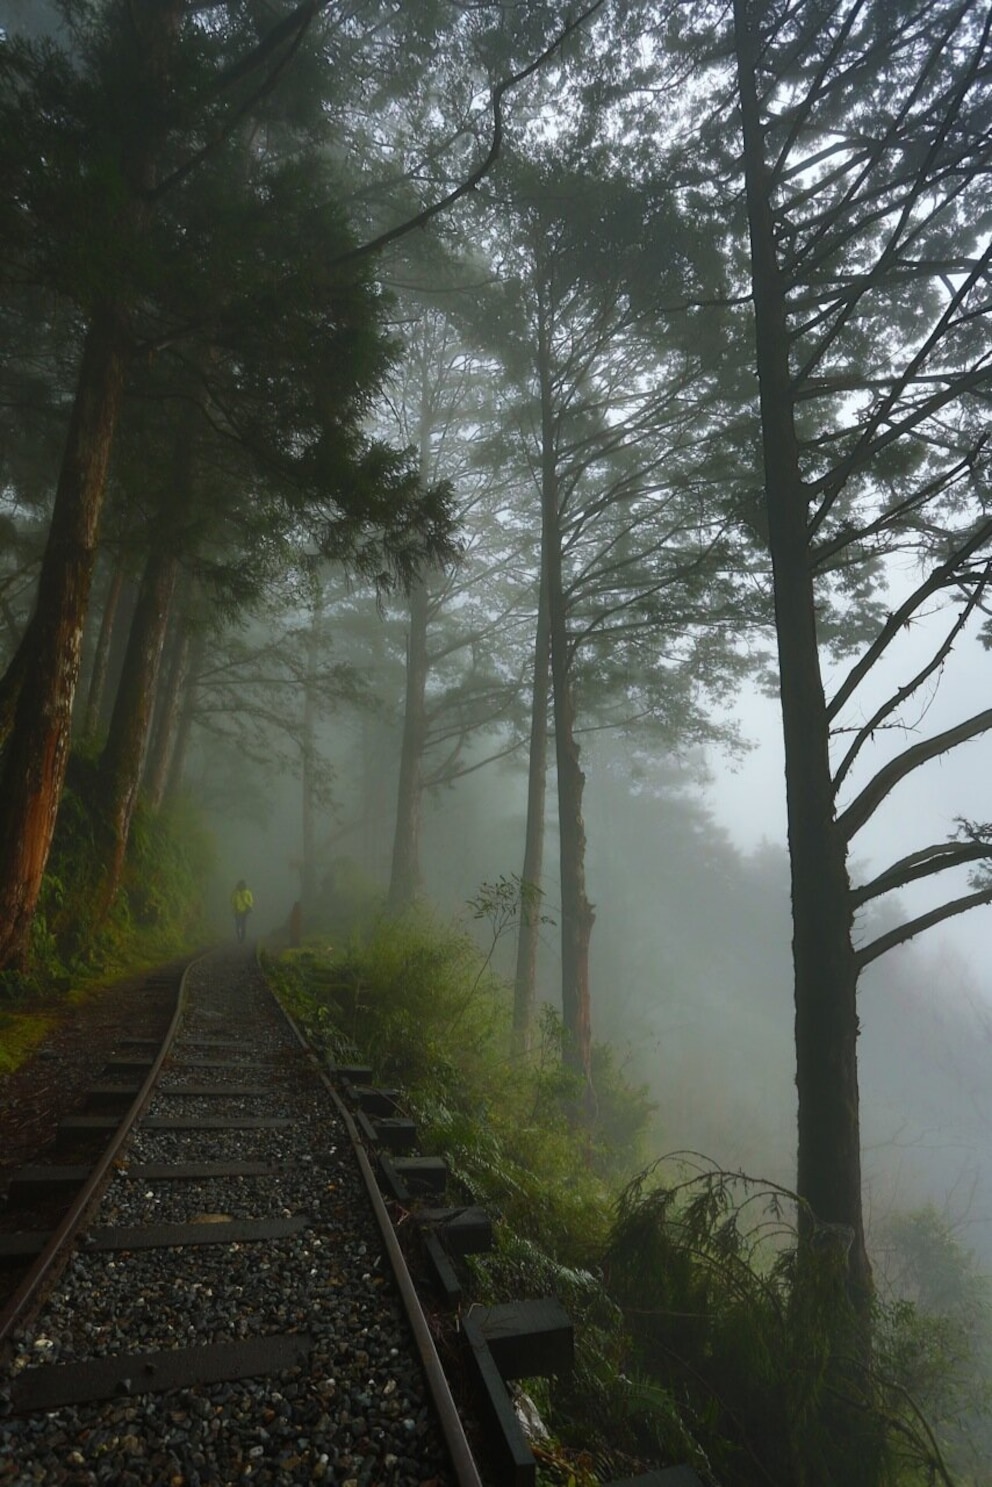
[(69, 1239), (45, 1269)]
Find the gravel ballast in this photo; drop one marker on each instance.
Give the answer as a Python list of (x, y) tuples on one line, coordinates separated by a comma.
[(357, 1412)]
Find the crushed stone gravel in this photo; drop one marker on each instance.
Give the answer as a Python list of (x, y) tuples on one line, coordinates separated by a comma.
[(357, 1413)]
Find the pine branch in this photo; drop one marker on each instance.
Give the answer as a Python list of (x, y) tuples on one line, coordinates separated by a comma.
[(814, 92), (918, 180), (292, 28), (871, 441), (499, 92), (895, 514)]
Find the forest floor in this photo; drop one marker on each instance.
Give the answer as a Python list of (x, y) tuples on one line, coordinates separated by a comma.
[(51, 1081)]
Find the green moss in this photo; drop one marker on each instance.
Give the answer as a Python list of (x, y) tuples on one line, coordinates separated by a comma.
[(21, 1033)]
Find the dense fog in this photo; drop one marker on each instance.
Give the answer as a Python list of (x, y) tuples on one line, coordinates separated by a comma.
[(448, 447), (691, 959)]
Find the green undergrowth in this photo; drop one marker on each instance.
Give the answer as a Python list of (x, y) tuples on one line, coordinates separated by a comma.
[(156, 915), (695, 1341), (416, 1000), (21, 1033)]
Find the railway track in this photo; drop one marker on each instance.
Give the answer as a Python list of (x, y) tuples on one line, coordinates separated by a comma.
[(224, 1300), (220, 1296)]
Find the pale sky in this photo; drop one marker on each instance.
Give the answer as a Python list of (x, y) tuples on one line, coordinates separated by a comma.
[(749, 800)]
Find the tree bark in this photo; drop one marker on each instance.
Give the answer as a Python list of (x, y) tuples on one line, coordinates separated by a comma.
[(187, 715), (165, 727), (37, 750), (308, 759), (825, 966), (123, 756), (525, 984), (101, 653), (577, 913), (405, 876), (123, 759)]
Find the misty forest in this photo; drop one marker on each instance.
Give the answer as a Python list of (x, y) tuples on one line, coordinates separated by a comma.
[(440, 446)]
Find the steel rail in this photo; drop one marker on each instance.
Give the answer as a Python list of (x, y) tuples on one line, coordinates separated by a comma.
[(56, 1251), (462, 1458)]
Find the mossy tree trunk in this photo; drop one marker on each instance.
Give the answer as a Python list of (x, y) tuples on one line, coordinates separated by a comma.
[(168, 704), (123, 757), (308, 754), (37, 750), (405, 878), (187, 717)]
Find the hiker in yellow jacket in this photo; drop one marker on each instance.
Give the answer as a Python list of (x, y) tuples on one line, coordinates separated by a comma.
[(242, 903)]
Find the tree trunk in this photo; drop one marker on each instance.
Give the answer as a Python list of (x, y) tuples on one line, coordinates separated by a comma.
[(37, 750), (525, 985), (829, 1151), (101, 653), (187, 714), (576, 911), (10, 690), (308, 759), (124, 753), (123, 759), (308, 871), (166, 722), (38, 747), (405, 877)]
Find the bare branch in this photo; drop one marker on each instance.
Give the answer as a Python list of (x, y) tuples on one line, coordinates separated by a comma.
[(903, 693), (863, 807), (904, 932), (922, 864), (940, 578)]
